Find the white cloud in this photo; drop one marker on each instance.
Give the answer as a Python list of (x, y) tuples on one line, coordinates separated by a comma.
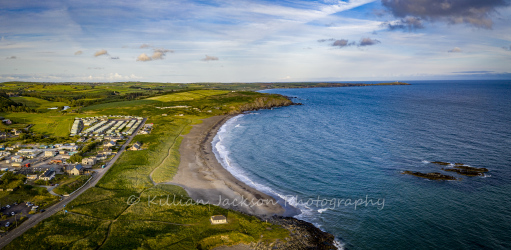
[(100, 53), (79, 52), (455, 50), (144, 58), (210, 58)]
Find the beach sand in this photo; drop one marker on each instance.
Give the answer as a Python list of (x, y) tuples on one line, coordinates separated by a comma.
[(204, 178)]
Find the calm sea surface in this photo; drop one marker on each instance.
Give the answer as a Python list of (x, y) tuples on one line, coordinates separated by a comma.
[(339, 158)]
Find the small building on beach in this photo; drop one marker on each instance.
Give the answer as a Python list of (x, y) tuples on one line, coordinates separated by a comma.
[(218, 219)]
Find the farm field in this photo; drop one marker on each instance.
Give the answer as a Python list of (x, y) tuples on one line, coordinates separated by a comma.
[(103, 217)]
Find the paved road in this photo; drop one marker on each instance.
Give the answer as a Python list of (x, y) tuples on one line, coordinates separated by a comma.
[(33, 220)]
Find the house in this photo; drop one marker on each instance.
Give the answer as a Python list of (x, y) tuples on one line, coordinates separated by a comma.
[(16, 131), (17, 158), (218, 219), (110, 144), (89, 161), (101, 157), (47, 175), (75, 170), (136, 146), (50, 153), (106, 152), (2, 147), (16, 164), (7, 121), (62, 152), (31, 176), (55, 161), (33, 155)]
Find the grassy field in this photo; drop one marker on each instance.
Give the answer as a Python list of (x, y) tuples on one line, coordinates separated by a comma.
[(50, 123), (37, 103), (102, 217), (188, 96), (70, 184)]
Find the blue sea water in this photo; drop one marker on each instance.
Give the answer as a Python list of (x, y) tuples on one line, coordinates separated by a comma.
[(347, 146)]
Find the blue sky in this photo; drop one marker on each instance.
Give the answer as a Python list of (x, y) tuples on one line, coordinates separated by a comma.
[(254, 41)]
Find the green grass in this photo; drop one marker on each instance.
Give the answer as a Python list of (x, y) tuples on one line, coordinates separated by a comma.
[(102, 217), (51, 123), (188, 96), (117, 105), (37, 103), (71, 184)]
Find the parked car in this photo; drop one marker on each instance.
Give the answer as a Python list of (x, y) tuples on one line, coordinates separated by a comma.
[(42, 210), (8, 206), (7, 224), (13, 213)]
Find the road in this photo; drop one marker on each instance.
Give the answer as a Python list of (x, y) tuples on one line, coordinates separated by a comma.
[(33, 220)]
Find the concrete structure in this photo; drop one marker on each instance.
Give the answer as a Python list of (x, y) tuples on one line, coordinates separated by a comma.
[(218, 219)]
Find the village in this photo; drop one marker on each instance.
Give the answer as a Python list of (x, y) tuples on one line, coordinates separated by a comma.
[(63, 168)]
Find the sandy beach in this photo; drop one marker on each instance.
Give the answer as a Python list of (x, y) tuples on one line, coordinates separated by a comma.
[(204, 178)]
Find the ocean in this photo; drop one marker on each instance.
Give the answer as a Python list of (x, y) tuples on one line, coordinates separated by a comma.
[(339, 158)]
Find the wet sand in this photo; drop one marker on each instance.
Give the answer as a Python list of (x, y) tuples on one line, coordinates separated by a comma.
[(204, 178)]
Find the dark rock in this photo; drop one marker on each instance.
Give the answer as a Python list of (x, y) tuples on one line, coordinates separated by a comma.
[(303, 235), (441, 163), (431, 176), (467, 170)]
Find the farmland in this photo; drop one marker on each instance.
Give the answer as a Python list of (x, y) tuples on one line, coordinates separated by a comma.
[(101, 217)]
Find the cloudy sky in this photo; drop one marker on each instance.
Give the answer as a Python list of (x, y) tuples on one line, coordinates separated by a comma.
[(254, 41)]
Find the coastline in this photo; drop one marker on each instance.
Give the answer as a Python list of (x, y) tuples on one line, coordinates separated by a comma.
[(204, 178)]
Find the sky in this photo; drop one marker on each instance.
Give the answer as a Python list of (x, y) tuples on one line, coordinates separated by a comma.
[(254, 41)]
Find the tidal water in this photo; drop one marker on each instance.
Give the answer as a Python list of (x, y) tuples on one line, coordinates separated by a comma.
[(340, 155)]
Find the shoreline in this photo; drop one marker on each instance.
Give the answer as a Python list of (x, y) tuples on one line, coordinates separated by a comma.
[(204, 178)]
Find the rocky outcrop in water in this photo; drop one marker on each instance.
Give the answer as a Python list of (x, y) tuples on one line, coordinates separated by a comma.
[(431, 176), (462, 169)]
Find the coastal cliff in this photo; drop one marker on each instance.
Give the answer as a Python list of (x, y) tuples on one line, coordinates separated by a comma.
[(266, 102)]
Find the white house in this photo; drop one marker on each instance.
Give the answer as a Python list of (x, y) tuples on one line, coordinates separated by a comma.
[(50, 153), (89, 161), (17, 158), (218, 219)]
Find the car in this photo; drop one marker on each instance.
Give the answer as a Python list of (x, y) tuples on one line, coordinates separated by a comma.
[(8, 206), (13, 213), (15, 203), (42, 210), (7, 224)]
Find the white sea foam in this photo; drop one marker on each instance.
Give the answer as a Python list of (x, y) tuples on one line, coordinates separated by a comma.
[(323, 210), (339, 244), (425, 162), (223, 156)]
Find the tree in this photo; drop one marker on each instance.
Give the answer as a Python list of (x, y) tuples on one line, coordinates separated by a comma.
[(76, 158)]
